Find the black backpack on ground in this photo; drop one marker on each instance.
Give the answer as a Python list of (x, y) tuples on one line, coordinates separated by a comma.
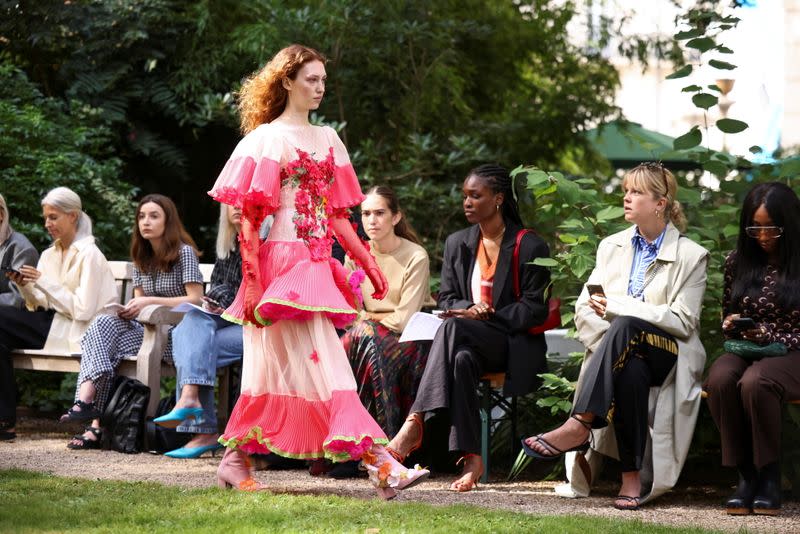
[(159, 438), (124, 416)]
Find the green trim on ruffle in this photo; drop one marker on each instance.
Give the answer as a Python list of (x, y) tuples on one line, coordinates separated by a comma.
[(232, 319), (256, 433), (303, 307), (244, 322)]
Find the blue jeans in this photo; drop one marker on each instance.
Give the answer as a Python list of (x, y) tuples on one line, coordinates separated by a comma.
[(202, 343)]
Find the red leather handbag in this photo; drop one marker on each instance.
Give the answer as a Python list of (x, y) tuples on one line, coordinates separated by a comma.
[(554, 303)]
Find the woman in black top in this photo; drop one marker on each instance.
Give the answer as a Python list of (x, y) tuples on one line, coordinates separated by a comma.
[(486, 326), (762, 282)]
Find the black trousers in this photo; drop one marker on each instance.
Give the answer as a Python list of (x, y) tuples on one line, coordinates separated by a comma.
[(462, 351), (19, 329), (633, 356)]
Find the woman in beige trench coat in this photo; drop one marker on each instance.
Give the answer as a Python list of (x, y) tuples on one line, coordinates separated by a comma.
[(639, 389)]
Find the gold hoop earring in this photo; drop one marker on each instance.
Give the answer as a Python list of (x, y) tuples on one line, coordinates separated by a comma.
[(497, 206)]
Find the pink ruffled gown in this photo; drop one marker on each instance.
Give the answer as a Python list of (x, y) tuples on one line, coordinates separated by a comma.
[(298, 396)]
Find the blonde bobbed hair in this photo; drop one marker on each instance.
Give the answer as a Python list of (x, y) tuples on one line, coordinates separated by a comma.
[(262, 97), (657, 180)]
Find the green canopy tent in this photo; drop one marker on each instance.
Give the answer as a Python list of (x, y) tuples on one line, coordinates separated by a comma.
[(626, 144)]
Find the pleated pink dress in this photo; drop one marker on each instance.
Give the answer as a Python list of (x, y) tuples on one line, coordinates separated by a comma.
[(298, 396)]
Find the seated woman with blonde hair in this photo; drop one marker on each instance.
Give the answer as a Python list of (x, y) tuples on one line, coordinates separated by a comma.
[(204, 341), (63, 293), (639, 318)]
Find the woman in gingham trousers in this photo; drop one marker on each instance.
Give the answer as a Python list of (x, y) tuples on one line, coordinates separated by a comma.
[(166, 272)]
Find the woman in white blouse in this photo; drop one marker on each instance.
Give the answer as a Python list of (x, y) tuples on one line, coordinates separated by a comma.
[(69, 286)]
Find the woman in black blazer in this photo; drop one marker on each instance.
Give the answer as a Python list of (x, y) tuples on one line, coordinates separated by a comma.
[(485, 327)]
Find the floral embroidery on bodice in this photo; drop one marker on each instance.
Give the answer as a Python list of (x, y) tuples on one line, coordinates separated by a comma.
[(311, 181)]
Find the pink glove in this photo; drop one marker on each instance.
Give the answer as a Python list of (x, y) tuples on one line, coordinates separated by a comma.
[(249, 243), (355, 249)]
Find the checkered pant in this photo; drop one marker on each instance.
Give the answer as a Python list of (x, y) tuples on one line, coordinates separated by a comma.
[(106, 342)]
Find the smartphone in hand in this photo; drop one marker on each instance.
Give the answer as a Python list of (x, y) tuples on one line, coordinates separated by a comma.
[(211, 302), (10, 270), (742, 324), (595, 289)]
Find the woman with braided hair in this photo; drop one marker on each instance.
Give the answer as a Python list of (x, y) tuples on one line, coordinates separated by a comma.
[(486, 325)]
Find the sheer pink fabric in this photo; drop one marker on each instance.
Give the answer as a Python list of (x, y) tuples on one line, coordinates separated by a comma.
[(298, 392)]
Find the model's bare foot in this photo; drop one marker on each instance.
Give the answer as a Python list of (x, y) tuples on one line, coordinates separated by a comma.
[(571, 434), (408, 438), (202, 440), (631, 488), (473, 469)]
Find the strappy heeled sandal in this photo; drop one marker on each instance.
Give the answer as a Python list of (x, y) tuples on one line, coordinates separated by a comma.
[(85, 443), (417, 420), (555, 452), (387, 474), (463, 486), (87, 412)]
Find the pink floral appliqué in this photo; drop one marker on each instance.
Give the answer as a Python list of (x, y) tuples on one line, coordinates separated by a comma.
[(313, 179), (314, 357)]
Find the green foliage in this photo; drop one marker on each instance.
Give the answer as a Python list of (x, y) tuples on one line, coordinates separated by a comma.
[(45, 143), (424, 90), (560, 389), (707, 25), (46, 392)]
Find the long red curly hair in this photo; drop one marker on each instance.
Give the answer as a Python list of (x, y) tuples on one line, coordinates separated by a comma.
[(262, 97)]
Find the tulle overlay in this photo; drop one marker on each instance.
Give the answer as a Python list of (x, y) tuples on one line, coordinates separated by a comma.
[(298, 394)]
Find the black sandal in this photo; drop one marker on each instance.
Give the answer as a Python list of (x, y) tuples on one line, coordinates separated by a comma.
[(555, 452), (87, 412), (87, 443), (633, 503)]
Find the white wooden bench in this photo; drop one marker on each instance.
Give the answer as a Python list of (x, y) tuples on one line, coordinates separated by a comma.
[(147, 365)]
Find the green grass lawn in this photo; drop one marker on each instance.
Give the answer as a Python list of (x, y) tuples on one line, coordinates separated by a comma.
[(33, 502)]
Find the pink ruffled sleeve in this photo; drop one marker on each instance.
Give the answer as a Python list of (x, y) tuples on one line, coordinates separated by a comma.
[(251, 179), (346, 191)]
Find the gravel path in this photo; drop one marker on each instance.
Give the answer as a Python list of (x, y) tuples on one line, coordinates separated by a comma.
[(687, 506)]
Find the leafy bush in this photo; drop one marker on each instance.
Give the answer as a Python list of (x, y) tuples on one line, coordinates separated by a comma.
[(45, 143)]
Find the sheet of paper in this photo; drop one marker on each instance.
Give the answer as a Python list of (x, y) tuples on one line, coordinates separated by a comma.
[(184, 307), (113, 308), (421, 327)]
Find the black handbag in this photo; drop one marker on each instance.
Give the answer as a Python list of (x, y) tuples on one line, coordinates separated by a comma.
[(124, 415)]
